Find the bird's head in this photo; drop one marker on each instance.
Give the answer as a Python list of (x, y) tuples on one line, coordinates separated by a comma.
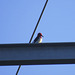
[(40, 34)]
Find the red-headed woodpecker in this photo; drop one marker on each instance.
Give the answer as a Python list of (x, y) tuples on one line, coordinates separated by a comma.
[(38, 39)]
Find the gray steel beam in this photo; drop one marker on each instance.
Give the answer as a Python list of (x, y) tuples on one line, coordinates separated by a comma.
[(36, 54)]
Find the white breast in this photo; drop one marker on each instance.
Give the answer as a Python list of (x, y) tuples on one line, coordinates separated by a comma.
[(38, 41)]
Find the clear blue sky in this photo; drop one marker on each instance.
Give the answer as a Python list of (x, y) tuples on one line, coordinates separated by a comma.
[(17, 22)]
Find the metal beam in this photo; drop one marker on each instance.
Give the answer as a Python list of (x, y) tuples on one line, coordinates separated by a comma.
[(36, 54)]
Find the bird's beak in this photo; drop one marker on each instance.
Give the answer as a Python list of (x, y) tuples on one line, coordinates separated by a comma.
[(42, 36)]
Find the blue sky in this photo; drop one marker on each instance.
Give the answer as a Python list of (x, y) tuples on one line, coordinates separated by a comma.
[(17, 22)]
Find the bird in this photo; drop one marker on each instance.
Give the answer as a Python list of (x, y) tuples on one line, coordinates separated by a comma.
[(38, 39)]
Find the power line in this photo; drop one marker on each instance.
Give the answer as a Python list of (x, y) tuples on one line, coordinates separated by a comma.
[(34, 30), (38, 21)]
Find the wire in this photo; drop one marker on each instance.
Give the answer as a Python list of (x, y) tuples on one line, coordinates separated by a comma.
[(38, 21), (34, 30)]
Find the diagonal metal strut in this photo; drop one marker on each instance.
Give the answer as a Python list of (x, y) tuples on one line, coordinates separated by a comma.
[(34, 30)]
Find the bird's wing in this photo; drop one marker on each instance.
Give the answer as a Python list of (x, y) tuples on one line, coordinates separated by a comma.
[(35, 40)]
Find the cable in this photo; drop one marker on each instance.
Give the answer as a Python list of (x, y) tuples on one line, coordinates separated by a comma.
[(38, 20), (34, 30)]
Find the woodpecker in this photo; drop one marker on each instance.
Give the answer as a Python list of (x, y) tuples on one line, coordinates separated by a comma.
[(38, 39)]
